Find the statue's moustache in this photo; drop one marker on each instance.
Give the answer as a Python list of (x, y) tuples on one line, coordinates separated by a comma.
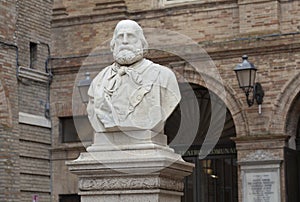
[(127, 57), (130, 48)]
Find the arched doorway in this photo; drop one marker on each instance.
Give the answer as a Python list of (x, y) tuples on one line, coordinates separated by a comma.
[(292, 154), (214, 178), (293, 123)]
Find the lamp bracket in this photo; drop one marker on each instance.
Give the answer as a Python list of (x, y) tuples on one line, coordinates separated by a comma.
[(258, 95)]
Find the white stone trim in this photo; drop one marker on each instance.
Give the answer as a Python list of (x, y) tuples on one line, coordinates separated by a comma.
[(33, 74), (177, 2), (35, 120)]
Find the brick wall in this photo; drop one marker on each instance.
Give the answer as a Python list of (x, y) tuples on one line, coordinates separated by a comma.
[(34, 26), (8, 17), (289, 18), (259, 16), (266, 30), (35, 141), (25, 145), (9, 157), (9, 131), (241, 25), (33, 97)]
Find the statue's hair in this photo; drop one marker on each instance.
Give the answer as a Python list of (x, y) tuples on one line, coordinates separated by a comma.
[(134, 25)]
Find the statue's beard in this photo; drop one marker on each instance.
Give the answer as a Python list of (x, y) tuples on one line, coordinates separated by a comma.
[(128, 56)]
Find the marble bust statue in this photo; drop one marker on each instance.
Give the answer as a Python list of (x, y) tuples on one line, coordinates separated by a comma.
[(133, 93)]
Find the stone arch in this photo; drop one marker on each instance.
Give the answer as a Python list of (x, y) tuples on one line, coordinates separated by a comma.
[(225, 92), (5, 109), (292, 121), (283, 104)]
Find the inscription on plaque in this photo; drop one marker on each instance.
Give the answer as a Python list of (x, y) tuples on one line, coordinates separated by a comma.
[(262, 187)]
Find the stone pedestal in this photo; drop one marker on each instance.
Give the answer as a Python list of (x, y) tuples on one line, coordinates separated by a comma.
[(128, 167)]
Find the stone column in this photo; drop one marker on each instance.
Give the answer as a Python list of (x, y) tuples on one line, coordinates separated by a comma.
[(130, 166), (261, 167)]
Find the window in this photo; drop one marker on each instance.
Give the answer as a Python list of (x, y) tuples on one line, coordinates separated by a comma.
[(33, 55), (69, 198), (70, 127)]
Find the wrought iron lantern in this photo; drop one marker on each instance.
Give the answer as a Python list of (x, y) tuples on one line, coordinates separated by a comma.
[(83, 87), (246, 73)]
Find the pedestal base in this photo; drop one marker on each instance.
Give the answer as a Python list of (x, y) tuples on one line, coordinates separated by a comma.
[(134, 170), (143, 196)]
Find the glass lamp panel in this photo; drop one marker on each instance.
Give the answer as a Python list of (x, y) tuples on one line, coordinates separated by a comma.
[(252, 76), (243, 77), (83, 93)]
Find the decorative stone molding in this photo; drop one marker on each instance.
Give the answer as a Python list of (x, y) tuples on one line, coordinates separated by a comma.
[(170, 184), (59, 9), (122, 183), (114, 6), (28, 73), (259, 155)]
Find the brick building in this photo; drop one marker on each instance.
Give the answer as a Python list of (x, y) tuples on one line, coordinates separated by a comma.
[(45, 48), (24, 81)]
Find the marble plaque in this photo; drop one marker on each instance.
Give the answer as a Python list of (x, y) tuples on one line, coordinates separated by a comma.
[(261, 186)]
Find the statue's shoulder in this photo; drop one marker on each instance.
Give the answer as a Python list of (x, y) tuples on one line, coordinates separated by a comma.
[(165, 76), (102, 73), (163, 70)]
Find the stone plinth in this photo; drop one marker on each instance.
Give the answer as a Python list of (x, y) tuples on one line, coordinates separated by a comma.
[(131, 166), (260, 171)]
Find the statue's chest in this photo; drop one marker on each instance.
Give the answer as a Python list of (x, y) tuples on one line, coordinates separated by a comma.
[(120, 99)]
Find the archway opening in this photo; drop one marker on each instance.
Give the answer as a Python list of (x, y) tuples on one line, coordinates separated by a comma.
[(214, 177), (292, 124), (292, 154)]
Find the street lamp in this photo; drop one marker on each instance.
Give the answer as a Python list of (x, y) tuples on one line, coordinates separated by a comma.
[(245, 73), (83, 87)]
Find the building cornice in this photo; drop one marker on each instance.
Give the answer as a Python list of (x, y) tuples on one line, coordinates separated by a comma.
[(235, 48), (154, 13), (254, 45)]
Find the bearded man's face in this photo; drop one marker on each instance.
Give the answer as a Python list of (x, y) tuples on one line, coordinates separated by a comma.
[(128, 47)]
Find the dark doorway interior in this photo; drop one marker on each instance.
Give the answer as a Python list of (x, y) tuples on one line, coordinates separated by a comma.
[(214, 178), (292, 154)]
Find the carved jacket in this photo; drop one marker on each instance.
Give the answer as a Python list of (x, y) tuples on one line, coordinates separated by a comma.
[(141, 96)]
